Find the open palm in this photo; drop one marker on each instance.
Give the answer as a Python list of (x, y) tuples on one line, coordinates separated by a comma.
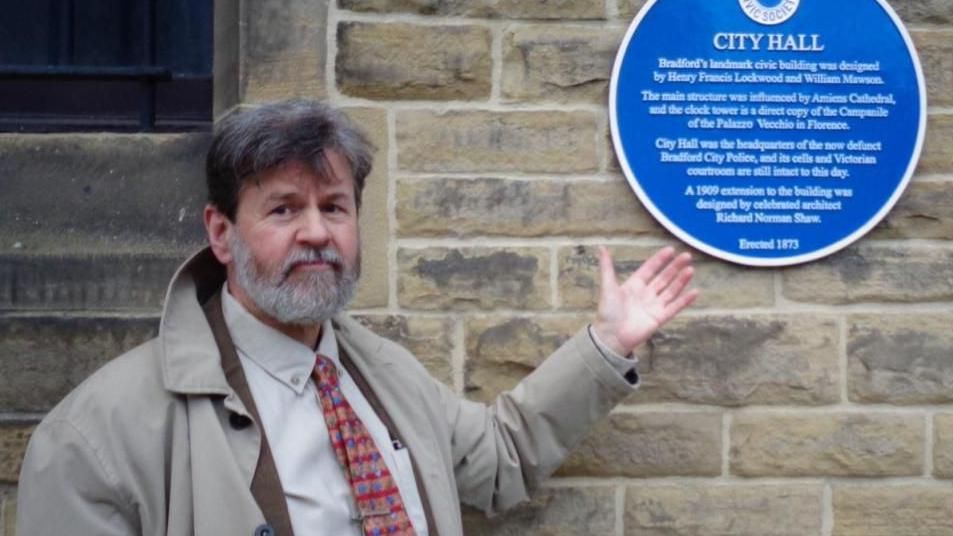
[(630, 312)]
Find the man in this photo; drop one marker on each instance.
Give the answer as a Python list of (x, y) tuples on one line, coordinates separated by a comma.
[(261, 410)]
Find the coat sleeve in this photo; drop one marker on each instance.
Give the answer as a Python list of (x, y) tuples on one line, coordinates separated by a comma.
[(503, 451), (66, 487)]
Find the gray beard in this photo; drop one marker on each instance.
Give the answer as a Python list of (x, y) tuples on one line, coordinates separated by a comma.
[(309, 298)]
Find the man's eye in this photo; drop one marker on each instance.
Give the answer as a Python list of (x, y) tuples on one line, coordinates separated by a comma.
[(280, 210)]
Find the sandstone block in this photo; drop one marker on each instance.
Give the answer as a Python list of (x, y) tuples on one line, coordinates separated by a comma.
[(935, 48), (873, 273), (510, 9), (628, 9), (429, 339), (826, 445), (742, 360), (924, 211), (13, 441), (469, 279), (525, 142), (501, 350), (899, 510), (649, 445), (523, 208), (283, 50), (573, 64), (924, 11), (943, 445), (736, 510), (101, 192), (551, 512), (373, 290), (393, 61), (43, 357), (723, 285), (937, 156), (81, 282), (9, 513), (900, 359)]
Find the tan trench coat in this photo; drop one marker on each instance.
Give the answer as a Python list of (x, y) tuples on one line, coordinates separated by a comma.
[(145, 445)]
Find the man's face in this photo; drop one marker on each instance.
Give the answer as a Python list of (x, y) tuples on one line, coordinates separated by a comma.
[(295, 243)]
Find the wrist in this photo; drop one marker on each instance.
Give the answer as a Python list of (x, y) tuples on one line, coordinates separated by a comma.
[(607, 343)]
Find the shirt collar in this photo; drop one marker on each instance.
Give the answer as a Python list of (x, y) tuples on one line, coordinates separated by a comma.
[(281, 357)]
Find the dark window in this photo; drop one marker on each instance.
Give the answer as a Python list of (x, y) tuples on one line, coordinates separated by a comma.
[(120, 65)]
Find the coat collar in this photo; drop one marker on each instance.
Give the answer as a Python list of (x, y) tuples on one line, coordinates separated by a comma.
[(190, 358)]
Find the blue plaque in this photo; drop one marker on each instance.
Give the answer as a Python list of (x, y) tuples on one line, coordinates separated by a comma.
[(768, 132)]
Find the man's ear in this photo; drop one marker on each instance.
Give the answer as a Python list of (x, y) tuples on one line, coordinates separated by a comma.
[(218, 227)]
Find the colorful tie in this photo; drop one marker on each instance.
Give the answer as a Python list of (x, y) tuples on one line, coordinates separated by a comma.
[(375, 492)]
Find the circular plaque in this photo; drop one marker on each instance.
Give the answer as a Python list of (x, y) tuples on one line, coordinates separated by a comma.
[(768, 132)]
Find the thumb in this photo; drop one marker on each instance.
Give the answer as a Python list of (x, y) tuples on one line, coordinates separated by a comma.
[(607, 277)]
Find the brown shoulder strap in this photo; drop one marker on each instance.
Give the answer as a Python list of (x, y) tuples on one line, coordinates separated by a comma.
[(265, 484)]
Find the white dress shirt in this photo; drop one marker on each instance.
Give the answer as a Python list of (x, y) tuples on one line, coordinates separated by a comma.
[(278, 369)]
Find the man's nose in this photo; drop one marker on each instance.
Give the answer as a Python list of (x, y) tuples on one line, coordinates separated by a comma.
[(313, 228)]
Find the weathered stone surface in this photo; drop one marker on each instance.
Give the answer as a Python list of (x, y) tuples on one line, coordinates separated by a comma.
[(43, 358), (742, 360), (429, 339), (101, 192), (510, 9), (826, 445), (573, 64), (937, 155), (900, 358), (524, 208), (473, 278), (551, 512), (72, 282), (526, 142), (501, 350), (649, 445), (925, 210), (9, 513), (723, 510), (943, 445), (874, 273), (911, 11), (924, 11), (226, 56), (723, 285), (391, 61), (893, 510), (283, 49), (13, 441), (935, 48), (628, 9), (375, 225)]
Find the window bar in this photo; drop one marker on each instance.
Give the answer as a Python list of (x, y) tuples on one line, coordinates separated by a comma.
[(68, 43), (60, 37), (147, 108)]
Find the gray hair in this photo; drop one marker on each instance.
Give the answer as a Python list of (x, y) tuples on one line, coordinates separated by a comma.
[(248, 143)]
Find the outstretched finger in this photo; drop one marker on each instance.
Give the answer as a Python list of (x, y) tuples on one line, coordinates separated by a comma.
[(671, 271), (676, 306), (677, 285), (607, 277), (654, 264)]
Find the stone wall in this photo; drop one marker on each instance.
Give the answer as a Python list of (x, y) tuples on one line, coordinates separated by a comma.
[(813, 400)]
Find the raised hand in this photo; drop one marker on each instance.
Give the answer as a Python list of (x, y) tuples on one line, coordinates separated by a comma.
[(630, 312)]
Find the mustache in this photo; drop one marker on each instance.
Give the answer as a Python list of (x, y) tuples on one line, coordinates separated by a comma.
[(300, 256)]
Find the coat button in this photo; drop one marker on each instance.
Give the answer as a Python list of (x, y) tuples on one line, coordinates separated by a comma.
[(264, 530), (239, 422)]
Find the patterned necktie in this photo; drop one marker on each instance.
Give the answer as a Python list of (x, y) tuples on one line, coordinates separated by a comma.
[(375, 492)]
